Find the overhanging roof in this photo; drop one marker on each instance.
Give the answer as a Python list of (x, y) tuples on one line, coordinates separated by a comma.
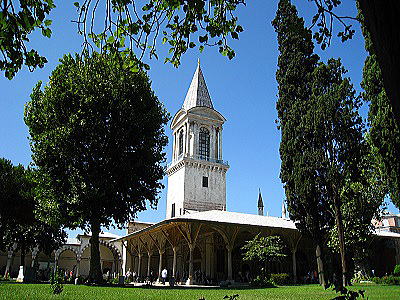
[(221, 217)]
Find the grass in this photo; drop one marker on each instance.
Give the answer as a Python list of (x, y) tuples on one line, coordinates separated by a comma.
[(42, 291)]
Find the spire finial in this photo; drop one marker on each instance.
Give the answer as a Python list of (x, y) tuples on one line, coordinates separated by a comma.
[(260, 203), (198, 61)]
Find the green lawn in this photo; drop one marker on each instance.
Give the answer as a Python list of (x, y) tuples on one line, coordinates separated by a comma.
[(42, 291)]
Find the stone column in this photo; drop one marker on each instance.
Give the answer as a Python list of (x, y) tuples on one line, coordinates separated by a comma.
[(10, 258), (35, 251), (230, 277), (186, 139), (196, 139), (78, 266), (160, 252), (220, 143), (148, 263), (190, 277), (174, 250), (294, 265), (139, 264)]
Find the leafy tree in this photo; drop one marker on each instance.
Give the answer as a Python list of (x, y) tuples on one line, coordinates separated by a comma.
[(19, 222), (361, 203), (18, 19), (337, 129), (325, 160), (97, 135), (384, 131), (296, 63), (264, 249), (132, 28)]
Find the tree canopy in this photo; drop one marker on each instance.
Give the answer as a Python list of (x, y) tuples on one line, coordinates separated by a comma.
[(326, 166), (19, 221), (97, 137), (132, 28), (264, 250), (384, 132)]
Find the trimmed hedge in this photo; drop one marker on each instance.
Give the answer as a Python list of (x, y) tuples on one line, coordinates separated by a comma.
[(280, 279), (389, 280)]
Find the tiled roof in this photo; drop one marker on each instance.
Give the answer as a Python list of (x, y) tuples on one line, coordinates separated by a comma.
[(197, 94)]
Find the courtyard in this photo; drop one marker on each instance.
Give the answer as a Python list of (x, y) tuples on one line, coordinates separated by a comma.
[(299, 292)]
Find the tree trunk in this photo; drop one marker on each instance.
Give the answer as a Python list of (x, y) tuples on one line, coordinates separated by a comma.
[(340, 231), (320, 266), (95, 274)]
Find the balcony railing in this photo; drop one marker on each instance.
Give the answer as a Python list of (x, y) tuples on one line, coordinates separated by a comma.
[(197, 157)]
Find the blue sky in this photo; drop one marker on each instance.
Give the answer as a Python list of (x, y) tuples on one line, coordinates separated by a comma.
[(244, 90)]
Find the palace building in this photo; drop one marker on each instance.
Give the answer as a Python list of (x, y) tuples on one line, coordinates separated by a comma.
[(199, 242)]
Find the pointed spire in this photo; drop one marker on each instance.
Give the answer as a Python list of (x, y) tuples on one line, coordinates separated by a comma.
[(197, 94), (260, 200), (260, 204)]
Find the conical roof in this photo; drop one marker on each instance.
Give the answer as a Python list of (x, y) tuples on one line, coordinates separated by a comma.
[(260, 200), (197, 94)]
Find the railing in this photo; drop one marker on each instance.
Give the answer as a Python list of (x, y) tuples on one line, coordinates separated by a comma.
[(198, 157)]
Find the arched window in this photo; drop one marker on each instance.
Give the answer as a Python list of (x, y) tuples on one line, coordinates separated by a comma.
[(180, 142), (204, 143)]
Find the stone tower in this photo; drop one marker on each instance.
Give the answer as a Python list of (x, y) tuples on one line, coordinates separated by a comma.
[(260, 204), (197, 173)]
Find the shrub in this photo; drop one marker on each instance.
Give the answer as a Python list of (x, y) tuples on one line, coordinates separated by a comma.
[(261, 281), (389, 280), (396, 271), (56, 281), (377, 280), (280, 279)]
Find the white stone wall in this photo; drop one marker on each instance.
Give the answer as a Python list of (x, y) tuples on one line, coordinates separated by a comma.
[(202, 198), (175, 192)]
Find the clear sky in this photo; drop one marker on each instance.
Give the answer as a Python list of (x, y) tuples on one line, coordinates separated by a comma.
[(244, 90)]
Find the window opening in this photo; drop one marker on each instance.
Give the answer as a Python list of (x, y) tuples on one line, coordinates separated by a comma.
[(204, 143), (205, 181)]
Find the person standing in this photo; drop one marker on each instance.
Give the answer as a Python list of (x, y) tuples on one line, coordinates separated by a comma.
[(164, 274)]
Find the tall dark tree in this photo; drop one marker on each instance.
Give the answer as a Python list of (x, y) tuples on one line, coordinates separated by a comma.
[(97, 136), (384, 131), (296, 63), (337, 129), (19, 222)]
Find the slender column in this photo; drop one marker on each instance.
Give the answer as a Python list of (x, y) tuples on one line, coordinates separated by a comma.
[(186, 139), (139, 264), (220, 143), (148, 263), (294, 265), (174, 250), (230, 277), (196, 139), (10, 256), (190, 277), (78, 266), (160, 252), (35, 251)]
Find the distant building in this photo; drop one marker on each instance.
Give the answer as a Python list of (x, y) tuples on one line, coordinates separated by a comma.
[(389, 222)]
